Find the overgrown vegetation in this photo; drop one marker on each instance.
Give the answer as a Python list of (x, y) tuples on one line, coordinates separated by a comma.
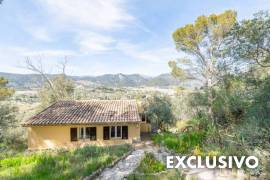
[(12, 139), (228, 115), (149, 164), (181, 143), (150, 168), (62, 164), (159, 110), (232, 113)]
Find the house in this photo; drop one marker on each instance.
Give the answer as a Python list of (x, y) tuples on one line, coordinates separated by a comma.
[(68, 124)]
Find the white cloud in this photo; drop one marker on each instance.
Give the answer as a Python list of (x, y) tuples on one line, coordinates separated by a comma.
[(105, 14), (91, 42), (39, 33), (157, 55), (13, 59), (89, 20), (49, 53)]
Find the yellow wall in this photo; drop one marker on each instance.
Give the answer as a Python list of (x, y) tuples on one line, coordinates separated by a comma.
[(47, 137), (145, 127)]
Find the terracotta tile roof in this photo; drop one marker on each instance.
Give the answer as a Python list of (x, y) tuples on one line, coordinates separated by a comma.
[(87, 112)]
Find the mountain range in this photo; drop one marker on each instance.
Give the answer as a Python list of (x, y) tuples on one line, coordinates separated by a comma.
[(29, 81)]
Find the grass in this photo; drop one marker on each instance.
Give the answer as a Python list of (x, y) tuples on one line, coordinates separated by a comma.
[(74, 164), (149, 164), (181, 143), (8, 149), (152, 169)]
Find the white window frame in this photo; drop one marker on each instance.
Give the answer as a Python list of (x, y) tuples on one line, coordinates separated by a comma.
[(115, 132), (84, 131)]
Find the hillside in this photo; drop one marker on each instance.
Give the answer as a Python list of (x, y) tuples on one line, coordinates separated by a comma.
[(29, 81)]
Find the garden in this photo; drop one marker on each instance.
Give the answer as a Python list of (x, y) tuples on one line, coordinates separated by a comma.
[(60, 164)]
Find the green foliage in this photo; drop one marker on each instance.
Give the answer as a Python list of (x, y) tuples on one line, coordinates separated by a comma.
[(7, 116), (191, 38), (7, 112), (5, 92), (181, 143), (60, 165), (260, 108), (232, 107), (149, 164), (202, 42), (255, 129), (229, 104), (152, 169), (249, 40), (159, 110)]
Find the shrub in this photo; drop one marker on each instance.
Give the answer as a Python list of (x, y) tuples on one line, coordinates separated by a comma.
[(74, 164), (181, 143), (159, 111), (149, 164), (150, 169)]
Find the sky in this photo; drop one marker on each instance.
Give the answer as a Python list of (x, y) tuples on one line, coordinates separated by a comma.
[(102, 36)]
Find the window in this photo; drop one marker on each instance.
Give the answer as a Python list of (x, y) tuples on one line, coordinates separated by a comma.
[(116, 131), (87, 132), (73, 134), (124, 132), (93, 133), (119, 131), (81, 133), (113, 131), (106, 133)]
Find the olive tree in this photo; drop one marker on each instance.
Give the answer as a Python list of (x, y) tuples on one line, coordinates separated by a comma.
[(158, 110)]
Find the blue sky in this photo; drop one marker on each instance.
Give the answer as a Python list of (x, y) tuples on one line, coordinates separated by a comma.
[(102, 36)]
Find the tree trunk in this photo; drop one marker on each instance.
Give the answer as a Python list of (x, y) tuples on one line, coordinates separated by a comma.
[(210, 101)]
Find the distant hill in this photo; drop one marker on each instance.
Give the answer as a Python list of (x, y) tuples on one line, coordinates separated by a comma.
[(114, 80), (29, 81)]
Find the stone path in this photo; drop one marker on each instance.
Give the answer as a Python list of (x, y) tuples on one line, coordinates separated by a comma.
[(126, 166), (123, 167), (215, 174)]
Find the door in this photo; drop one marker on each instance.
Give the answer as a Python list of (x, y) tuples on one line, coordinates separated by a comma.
[(124, 132), (73, 134), (106, 133)]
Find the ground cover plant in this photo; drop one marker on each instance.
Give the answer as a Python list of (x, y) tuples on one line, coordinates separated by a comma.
[(179, 142), (61, 164), (150, 168), (149, 164)]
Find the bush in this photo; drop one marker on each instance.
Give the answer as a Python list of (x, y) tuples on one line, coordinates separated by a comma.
[(181, 143), (61, 164), (149, 164), (159, 111)]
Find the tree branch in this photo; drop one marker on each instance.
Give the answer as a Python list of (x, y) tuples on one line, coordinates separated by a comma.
[(30, 66)]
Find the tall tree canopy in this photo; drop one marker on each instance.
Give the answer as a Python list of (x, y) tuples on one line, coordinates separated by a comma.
[(203, 42), (250, 40)]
